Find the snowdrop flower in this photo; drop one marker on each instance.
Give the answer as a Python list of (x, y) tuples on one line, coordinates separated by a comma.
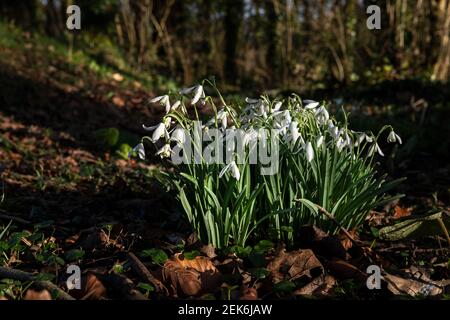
[(158, 131), (163, 100), (375, 147), (322, 115), (179, 136), (222, 117), (282, 118), (176, 105), (335, 132), (340, 144), (277, 106), (293, 127), (199, 93), (232, 167), (310, 104), (393, 137), (251, 100), (165, 151), (140, 151), (319, 141), (309, 151)]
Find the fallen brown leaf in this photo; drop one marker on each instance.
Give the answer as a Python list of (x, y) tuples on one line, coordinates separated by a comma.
[(190, 277), (345, 241), (344, 270), (320, 286), (400, 212), (249, 294), (91, 288), (399, 286), (118, 101), (294, 265), (37, 295)]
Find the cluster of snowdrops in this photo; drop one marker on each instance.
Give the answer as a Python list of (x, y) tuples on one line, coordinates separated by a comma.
[(320, 163)]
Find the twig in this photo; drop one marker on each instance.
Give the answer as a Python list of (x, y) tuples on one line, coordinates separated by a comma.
[(8, 273), (144, 273), (5, 216), (329, 216)]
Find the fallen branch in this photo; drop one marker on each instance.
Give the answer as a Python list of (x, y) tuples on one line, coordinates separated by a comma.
[(138, 267), (8, 273), (5, 216)]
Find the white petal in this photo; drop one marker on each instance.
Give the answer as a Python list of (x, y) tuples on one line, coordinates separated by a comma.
[(277, 106), (309, 151), (235, 171), (319, 141), (398, 138), (159, 132), (187, 90), (310, 104), (157, 99), (379, 150), (251, 101), (391, 137), (176, 105), (198, 94), (140, 150), (151, 128)]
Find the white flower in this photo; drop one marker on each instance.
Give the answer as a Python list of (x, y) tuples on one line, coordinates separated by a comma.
[(309, 151), (251, 100), (140, 151), (165, 151), (159, 131), (277, 106), (375, 147), (234, 170), (179, 136), (294, 131), (393, 137), (175, 105), (319, 141), (322, 115), (340, 144), (310, 104), (222, 117), (199, 93), (163, 100)]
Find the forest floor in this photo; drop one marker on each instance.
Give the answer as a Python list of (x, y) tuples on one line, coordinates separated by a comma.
[(69, 195)]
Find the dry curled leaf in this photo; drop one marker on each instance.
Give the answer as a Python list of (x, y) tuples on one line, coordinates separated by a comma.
[(345, 241), (91, 288), (191, 277), (320, 286), (400, 212), (399, 286), (37, 295), (344, 270), (294, 265), (249, 294)]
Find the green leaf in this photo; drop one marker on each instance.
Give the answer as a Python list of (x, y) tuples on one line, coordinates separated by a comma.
[(157, 255), (416, 228), (107, 137), (190, 255), (74, 254), (263, 246), (146, 287), (284, 287), (259, 273)]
